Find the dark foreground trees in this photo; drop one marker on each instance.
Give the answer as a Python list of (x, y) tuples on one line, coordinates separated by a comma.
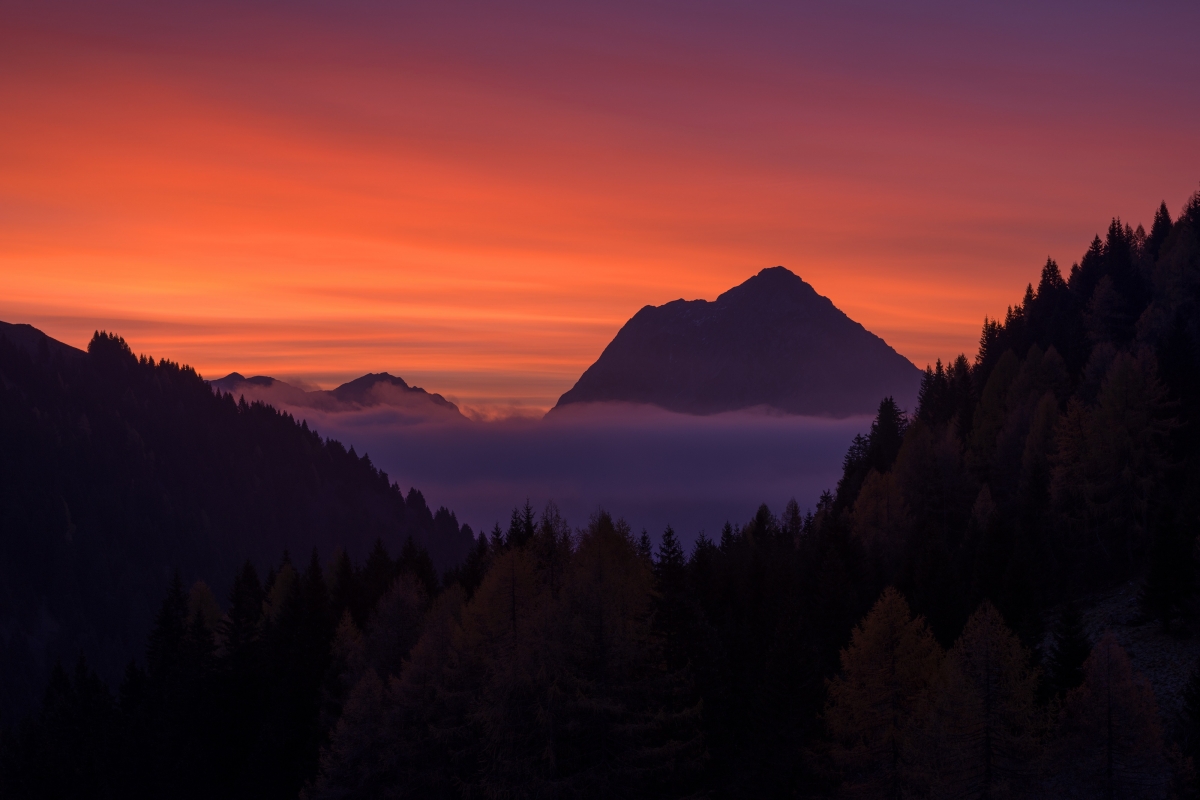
[(230, 704)]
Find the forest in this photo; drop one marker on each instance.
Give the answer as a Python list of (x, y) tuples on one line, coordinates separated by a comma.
[(925, 630), (116, 470)]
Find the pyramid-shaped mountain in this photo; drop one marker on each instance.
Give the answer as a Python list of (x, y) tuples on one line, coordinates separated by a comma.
[(772, 341)]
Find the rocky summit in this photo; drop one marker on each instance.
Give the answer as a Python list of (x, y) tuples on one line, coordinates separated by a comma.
[(769, 342)]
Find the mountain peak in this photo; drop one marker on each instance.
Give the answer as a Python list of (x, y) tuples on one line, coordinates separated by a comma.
[(769, 341), (372, 389)]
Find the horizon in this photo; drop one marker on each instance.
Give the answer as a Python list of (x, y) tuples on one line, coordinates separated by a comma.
[(314, 194)]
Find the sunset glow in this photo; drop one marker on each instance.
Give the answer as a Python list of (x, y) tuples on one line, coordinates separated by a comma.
[(477, 200)]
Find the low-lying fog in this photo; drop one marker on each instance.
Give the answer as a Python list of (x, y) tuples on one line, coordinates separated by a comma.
[(650, 466)]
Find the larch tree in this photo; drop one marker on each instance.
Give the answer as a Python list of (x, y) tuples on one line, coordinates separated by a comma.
[(879, 700), (1111, 462), (1111, 744), (985, 739)]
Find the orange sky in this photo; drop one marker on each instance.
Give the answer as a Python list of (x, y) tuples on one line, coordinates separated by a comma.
[(477, 202)]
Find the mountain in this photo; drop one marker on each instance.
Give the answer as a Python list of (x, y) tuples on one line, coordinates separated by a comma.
[(116, 471), (374, 389), (37, 344), (772, 341)]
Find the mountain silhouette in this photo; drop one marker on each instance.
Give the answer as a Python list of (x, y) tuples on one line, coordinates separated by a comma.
[(771, 341), (373, 389), (36, 344)]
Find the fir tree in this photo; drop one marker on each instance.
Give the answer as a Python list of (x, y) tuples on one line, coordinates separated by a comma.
[(377, 575), (728, 538), (645, 548), (1159, 232), (164, 653)]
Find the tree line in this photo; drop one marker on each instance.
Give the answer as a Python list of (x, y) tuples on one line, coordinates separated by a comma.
[(589, 663)]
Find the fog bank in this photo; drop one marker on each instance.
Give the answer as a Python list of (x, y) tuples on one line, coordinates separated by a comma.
[(650, 466)]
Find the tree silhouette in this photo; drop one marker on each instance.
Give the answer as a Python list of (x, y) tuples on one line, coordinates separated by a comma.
[(880, 698), (1112, 743), (985, 742)]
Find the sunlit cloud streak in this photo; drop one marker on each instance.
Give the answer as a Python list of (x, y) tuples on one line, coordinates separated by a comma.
[(482, 196)]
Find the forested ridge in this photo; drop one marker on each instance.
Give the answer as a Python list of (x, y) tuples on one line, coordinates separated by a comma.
[(117, 470), (919, 633)]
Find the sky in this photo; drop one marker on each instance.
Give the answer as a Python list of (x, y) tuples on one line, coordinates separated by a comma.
[(476, 196)]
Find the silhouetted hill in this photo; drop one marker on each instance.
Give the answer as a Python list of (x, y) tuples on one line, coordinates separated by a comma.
[(116, 470), (772, 341), (374, 389), (37, 344)]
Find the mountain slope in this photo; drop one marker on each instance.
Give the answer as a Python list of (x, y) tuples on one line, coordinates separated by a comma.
[(772, 341), (37, 344), (115, 471)]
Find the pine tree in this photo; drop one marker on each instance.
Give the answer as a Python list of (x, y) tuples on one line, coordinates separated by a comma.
[(164, 653), (522, 526), (476, 566), (394, 628), (645, 548), (672, 607), (792, 522), (728, 538), (1159, 232), (377, 575), (877, 451), (668, 566), (625, 726), (415, 561), (552, 547)]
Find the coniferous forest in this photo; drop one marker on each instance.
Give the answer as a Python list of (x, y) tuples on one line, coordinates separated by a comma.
[(928, 629)]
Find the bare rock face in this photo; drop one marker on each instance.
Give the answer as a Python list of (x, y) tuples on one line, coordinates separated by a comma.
[(772, 341)]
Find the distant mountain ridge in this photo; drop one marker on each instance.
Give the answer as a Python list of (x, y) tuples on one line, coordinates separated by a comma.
[(373, 389), (771, 341)]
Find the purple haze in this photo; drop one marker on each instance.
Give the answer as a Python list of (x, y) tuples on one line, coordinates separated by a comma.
[(650, 466)]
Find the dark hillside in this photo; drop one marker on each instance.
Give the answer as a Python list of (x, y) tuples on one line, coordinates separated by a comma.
[(1064, 458), (116, 470)]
